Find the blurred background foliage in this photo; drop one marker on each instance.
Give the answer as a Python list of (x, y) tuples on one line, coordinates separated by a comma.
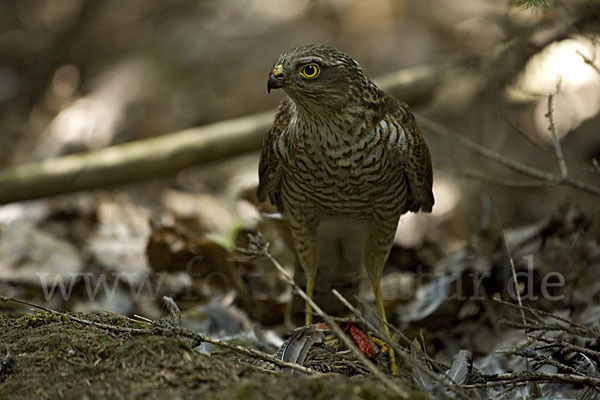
[(78, 75)]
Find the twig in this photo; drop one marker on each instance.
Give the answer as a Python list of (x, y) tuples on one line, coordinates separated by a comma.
[(524, 377), (566, 346), (170, 331), (593, 169), (542, 359), (399, 350), (550, 327), (239, 349), (484, 151), (438, 364), (136, 318), (588, 61), (513, 271), (552, 129), (536, 311), (74, 318), (507, 162), (514, 274), (359, 315), (140, 319), (504, 394), (521, 348), (497, 180), (520, 131), (259, 248)]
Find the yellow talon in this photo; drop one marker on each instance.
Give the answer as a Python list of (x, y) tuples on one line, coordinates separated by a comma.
[(393, 364), (384, 347)]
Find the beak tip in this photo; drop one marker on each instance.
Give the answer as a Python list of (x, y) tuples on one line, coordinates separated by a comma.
[(274, 82)]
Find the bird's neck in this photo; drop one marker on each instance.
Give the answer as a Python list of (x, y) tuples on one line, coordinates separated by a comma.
[(347, 118), (344, 122)]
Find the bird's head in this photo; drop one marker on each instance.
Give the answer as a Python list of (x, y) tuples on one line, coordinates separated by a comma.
[(316, 75)]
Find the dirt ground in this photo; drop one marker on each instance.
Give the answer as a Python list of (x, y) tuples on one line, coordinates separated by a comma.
[(49, 357)]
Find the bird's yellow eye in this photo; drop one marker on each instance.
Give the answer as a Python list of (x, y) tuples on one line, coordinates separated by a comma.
[(310, 71)]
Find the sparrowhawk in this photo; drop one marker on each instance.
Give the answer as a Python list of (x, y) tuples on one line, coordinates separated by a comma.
[(343, 161)]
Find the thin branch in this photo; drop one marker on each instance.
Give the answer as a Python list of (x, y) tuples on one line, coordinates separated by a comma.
[(438, 364), (552, 343), (498, 181), (505, 161), (588, 61), (524, 377), (513, 271), (552, 129), (514, 276), (550, 327), (537, 312), (231, 346), (541, 359), (259, 248), (359, 315), (400, 351), (522, 133), (593, 169), (484, 151)]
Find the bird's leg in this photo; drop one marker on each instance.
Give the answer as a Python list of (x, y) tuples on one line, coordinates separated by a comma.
[(310, 289), (309, 259), (376, 283), (376, 253), (308, 255)]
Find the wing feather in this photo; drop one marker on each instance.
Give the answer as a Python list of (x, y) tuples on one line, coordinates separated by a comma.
[(411, 154), (269, 167)]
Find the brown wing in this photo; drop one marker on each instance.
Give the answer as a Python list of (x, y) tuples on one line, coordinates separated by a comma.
[(410, 153), (269, 171)]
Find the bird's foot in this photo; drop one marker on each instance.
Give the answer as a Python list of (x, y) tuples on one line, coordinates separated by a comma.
[(385, 348), (315, 346)]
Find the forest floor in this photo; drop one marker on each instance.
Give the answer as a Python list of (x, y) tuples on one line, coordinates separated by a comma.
[(52, 357)]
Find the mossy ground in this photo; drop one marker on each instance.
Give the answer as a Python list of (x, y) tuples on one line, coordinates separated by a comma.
[(52, 357)]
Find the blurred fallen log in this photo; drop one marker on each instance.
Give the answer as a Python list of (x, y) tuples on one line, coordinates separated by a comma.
[(164, 155), (135, 161)]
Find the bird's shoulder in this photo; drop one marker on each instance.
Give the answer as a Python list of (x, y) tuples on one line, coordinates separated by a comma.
[(409, 152), (269, 169)]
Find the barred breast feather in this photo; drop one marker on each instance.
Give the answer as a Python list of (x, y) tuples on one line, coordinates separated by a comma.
[(384, 162)]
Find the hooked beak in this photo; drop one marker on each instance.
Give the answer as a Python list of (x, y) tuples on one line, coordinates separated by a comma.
[(275, 78)]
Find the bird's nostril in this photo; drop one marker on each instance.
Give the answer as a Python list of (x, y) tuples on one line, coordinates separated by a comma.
[(277, 71)]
